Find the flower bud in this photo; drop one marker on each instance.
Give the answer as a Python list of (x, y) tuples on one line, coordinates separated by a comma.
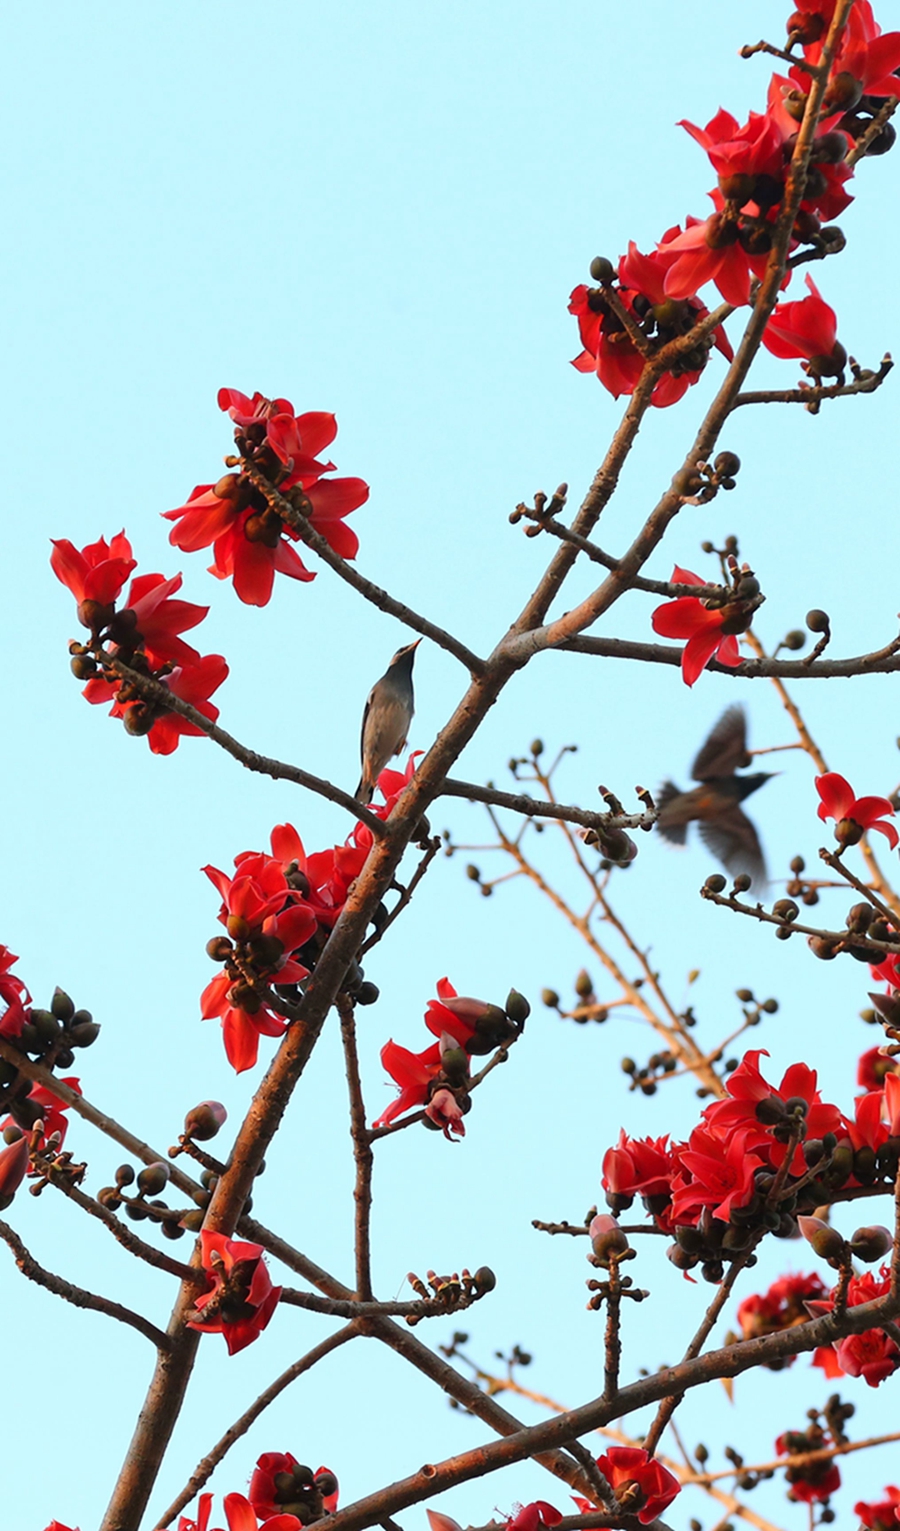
[(770, 1111), (152, 1178), (484, 1281), (871, 1243), (607, 1238), (203, 1122), (61, 1006), (715, 883), (602, 270), (817, 621), (517, 1007), (825, 1240), (550, 998)]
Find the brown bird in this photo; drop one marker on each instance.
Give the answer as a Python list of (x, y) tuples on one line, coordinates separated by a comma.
[(724, 827), (386, 720)]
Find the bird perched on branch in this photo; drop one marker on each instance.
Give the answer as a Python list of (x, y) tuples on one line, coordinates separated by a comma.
[(386, 720), (724, 827)]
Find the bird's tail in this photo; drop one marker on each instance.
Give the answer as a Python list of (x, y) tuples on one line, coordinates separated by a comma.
[(675, 833)]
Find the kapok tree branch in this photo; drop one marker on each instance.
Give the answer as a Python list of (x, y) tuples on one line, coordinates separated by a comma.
[(362, 1151), (731, 1361), (207, 1465), (864, 382), (673, 1033), (155, 691), (882, 661), (537, 808), (405, 1344), (77, 1295), (527, 636), (345, 571)]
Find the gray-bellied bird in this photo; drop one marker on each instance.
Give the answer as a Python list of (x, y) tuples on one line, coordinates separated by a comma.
[(715, 804), (386, 720)]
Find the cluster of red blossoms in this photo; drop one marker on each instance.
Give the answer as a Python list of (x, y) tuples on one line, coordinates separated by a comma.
[(283, 1496), (240, 1299), (144, 634), (882, 1516), (640, 1484), (794, 1299), (651, 300), (754, 1163), (278, 910), (250, 540), (437, 1078)]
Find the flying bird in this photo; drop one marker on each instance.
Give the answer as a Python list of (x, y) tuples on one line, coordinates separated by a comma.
[(724, 827), (386, 720)]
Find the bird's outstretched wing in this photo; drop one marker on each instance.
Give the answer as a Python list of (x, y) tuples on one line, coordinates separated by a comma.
[(675, 832), (725, 751), (733, 841)]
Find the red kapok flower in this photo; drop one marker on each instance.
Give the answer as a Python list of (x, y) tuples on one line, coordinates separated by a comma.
[(807, 329), (240, 1516), (241, 1298), (873, 1068), (13, 996), (304, 1493), (265, 915), (529, 1517), (883, 1516), (810, 1481), (688, 617), (13, 1168), (57, 1525), (192, 683), (854, 815), (782, 1307), (251, 542), (413, 1074), (639, 1481), (51, 1110), (96, 573)]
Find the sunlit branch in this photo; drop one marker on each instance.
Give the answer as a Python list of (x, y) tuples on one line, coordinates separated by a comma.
[(673, 1032), (797, 1459), (728, 1362), (76, 1294)]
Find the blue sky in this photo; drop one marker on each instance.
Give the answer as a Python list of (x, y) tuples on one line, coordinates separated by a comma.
[(382, 212)]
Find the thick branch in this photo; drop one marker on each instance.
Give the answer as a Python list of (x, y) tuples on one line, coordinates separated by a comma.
[(728, 1362), (76, 1294)]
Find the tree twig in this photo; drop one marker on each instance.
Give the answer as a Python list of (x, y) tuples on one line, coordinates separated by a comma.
[(207, 1465), (60, 1287)]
